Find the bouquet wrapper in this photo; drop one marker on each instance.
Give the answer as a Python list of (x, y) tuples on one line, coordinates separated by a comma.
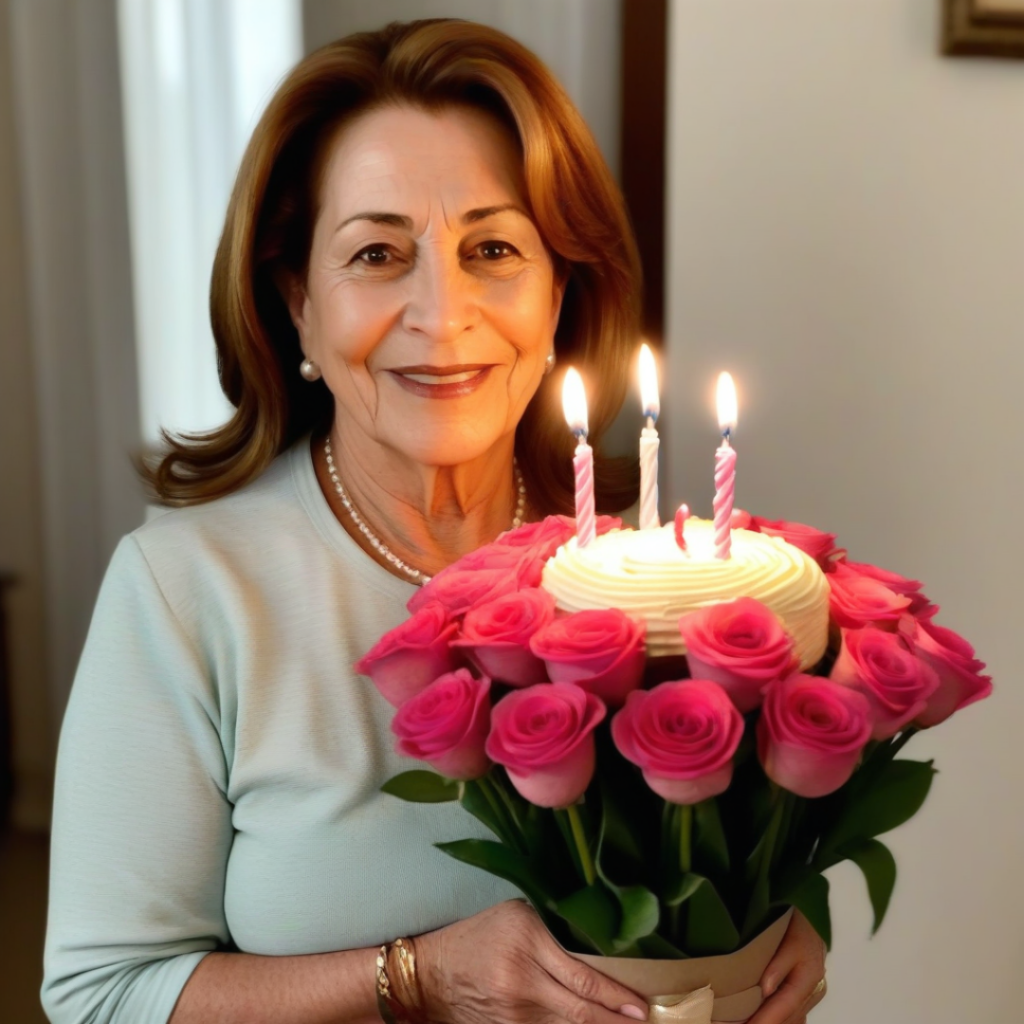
[(701, 990)]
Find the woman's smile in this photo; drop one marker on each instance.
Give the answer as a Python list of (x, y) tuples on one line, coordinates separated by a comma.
[(441, 381)]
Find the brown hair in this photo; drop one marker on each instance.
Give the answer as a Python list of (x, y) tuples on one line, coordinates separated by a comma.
[(573, 199)]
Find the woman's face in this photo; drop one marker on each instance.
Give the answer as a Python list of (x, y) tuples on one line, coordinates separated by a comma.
[(430, 302)]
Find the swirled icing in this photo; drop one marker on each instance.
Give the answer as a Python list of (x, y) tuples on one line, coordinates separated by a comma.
[(646, 575)]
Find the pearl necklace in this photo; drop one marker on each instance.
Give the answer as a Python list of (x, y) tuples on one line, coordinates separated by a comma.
[(378, 545)]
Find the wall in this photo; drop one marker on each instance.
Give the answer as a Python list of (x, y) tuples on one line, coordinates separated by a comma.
[(75, 362), (20, 541), (847, 236), (578, 39)]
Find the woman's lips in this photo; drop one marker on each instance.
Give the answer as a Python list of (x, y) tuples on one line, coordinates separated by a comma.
[(441, 381)]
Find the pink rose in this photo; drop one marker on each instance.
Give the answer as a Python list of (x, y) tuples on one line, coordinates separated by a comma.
[(819, 545), (410, 656), (959, 671), (896, 683), (602, 651), (683, 735), (919, 604), (543, 735), (458, 591), (811, 733), (856, 600), (522, 563), (446, 725), (545, 536), (739, 644), (496, 636)]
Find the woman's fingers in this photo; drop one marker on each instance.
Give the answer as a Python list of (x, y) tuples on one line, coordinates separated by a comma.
[(792, 981), (582, 1001), (583, 985)]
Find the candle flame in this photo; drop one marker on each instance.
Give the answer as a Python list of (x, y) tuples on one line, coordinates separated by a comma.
[(649, 382), (574, 402), (727, 409)]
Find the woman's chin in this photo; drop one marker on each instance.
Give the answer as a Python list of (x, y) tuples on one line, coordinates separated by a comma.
[(449, 438), (443, 448)]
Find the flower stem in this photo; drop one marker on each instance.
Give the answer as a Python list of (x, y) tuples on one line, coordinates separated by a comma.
[(899, 743), (508, 826), (781, 800), (685, 813), (589, 874), (510, 805), (761, 892)]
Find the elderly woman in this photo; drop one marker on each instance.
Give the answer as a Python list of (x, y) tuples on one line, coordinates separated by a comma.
[(422, 223)]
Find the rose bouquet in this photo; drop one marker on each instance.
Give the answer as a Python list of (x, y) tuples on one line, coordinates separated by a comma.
[(650, 808)]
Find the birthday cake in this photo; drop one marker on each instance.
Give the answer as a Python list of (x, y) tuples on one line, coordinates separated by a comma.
[(646, 574)]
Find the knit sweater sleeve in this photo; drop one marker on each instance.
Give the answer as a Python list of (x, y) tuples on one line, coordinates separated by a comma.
[(142, 826)]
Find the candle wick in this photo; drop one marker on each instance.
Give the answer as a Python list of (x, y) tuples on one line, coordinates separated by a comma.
[(581, 434), (651, 420), (726, 435)]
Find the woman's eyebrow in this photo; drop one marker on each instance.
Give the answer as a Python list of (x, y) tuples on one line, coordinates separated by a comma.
[(489, 211), (398, 220)]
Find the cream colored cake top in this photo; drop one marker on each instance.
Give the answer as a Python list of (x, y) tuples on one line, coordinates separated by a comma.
[(644, 573)]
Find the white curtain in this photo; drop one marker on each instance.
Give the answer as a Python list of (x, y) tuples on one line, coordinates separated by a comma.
[(196, 76)]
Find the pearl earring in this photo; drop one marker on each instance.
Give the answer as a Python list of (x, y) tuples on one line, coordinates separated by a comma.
[(309, 370), (549, 363)]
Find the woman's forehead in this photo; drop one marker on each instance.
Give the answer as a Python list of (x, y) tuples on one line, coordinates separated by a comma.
[(410, 161)]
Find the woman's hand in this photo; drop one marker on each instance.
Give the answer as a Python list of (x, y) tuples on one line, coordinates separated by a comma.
[(502, 966), (791, 981)]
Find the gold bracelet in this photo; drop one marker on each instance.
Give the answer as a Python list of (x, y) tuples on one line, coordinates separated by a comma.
[(399, 993)]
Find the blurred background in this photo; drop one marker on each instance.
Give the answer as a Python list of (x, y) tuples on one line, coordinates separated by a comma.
[(827, 205)]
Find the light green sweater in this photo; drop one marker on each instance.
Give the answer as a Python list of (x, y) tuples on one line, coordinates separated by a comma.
[(220, 764)]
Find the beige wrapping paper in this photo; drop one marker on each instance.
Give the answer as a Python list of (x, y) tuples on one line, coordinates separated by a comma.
[(703, 990)]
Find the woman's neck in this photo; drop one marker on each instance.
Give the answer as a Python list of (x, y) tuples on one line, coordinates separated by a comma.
[(427, 516)]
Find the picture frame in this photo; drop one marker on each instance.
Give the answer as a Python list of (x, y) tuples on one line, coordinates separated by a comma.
[(987, 28)]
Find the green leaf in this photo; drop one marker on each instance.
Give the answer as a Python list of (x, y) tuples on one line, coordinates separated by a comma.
[(709, 843), (894, 796), (810, 897), (484, 803), (499, 860), (709, 927), (879, 867), (639, 911), (422, 787), (616, 836), (592, 914), (682, 889), (639, 914)]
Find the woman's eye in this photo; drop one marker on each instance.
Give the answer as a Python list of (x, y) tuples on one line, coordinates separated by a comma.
[(375, 255), (496, 250)]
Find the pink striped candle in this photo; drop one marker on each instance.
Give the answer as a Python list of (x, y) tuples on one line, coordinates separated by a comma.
[(574, 404), (649, 441), (725, 467)]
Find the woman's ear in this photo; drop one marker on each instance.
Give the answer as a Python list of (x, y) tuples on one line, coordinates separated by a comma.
[(293, 291), (557, 294)]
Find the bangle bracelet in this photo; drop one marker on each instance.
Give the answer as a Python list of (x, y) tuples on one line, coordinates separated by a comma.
[(399, 994)]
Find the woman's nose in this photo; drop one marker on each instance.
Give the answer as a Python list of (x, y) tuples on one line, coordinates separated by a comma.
[(443, 301)]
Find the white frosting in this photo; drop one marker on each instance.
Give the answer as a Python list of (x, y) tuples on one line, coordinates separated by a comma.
[(646, 575)]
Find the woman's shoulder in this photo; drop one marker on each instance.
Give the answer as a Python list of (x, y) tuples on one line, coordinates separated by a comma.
[(254, 528), (257, 508)]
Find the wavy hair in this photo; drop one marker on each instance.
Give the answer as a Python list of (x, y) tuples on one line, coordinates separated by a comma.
[(572, 198)]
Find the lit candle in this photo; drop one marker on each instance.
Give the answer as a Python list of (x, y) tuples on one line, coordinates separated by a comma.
[(574, 404), (725, 467), (682, 514), (649, 441)]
